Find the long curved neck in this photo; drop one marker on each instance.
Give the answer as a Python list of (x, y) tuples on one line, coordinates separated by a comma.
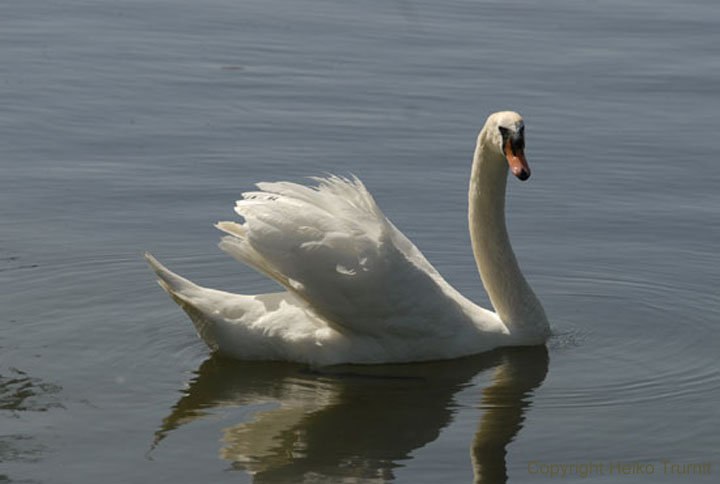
[(510, 294)]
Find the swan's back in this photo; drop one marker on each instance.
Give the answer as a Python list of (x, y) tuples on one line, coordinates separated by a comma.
[(357, 290), (332, 247)]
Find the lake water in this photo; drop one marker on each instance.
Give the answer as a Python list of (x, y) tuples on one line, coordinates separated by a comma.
[(134, 125)]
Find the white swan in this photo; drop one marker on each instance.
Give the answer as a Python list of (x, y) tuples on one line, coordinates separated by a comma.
[(357, 290)]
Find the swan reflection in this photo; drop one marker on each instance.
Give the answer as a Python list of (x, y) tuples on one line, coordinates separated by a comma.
[(357, 423)]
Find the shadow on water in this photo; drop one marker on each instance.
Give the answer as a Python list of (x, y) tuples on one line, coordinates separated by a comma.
[(357, 422)]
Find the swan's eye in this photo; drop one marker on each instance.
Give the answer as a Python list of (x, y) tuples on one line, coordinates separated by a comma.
[(518, 141), (505, 134)]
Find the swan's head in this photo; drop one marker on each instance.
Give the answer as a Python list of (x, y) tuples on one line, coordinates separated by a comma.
[(505, 133)]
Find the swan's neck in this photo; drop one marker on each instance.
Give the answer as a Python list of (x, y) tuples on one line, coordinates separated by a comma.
[(510, 294)]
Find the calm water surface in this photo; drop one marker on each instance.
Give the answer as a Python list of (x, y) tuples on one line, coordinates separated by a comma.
[(133, 125)]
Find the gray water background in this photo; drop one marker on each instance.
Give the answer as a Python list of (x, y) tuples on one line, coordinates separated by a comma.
[(128, 126)]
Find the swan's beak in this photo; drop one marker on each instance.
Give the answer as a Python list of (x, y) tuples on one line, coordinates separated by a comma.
[(516, 159)]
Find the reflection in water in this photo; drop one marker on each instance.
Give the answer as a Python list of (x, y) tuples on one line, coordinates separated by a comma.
[(22, 392), (504, 403), (357, 422)]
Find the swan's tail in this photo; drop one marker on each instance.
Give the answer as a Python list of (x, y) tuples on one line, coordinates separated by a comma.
[(251, 327), (196, 301), (176, 286)]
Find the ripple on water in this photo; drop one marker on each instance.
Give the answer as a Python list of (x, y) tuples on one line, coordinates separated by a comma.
[(636, 343)]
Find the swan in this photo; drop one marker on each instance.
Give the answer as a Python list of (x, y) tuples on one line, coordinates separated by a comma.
[(356, 289)]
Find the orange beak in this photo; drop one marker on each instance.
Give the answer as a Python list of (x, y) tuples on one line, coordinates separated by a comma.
[(517, 162)]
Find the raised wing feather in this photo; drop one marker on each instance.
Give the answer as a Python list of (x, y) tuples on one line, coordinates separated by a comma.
[(332, 246)]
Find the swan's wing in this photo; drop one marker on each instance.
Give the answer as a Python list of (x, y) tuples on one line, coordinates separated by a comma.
[(332, 246)]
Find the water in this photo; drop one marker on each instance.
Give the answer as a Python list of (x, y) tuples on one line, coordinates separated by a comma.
[(132, 126)]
